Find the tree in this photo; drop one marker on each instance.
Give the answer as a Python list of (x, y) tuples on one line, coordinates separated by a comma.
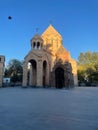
[(88, 67), (14, 70)]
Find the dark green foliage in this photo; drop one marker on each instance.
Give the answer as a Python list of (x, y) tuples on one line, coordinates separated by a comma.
[(14, 70)]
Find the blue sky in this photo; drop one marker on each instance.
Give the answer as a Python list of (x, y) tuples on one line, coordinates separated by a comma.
[(75, 20)]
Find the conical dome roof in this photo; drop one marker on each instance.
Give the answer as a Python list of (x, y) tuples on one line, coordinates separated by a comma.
[(37, 37)]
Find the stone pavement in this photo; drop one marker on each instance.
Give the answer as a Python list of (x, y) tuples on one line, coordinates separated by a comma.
[(49, 109)]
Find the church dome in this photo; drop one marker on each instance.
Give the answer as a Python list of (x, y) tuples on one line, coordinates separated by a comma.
[(37, 37)]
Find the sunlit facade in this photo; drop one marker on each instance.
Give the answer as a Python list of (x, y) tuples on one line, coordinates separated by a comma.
[(48, 63)]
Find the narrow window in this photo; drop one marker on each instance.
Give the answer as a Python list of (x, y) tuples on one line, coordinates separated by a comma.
[(38, 45), (34, 44)]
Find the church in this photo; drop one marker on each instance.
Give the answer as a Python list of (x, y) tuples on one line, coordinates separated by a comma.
[(48, 63), (2, 60)]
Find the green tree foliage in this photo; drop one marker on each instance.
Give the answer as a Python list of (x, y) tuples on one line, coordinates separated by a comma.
[(14, 70), (88, 67)]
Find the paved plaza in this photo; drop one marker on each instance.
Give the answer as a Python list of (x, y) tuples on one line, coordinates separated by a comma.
[(49, 109)]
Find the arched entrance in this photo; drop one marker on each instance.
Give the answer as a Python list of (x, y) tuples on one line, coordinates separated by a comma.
[(33, 73), (44, 73), (59, 78)]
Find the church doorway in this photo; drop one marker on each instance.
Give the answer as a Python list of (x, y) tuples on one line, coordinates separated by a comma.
[(59, 78), (44, 73), (33, 72)]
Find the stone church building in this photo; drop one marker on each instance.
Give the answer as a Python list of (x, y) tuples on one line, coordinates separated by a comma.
[(2, 60), (48, 63)]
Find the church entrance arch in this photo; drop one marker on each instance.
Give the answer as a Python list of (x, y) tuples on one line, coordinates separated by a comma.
[(44, 73), (33, 72), (59, 77)]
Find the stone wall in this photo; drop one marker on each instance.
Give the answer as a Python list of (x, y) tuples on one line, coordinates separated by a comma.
[(2, 59)]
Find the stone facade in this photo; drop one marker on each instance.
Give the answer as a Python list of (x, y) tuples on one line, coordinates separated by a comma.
[(48, 63), (2, 60)]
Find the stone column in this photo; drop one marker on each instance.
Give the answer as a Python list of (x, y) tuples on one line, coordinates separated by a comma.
[(30, 76), (2, 59), (47, 75), (75, 79), (52, 79), (66, 78), (25, 70), (39, 72), (1, 75), (0, 79)]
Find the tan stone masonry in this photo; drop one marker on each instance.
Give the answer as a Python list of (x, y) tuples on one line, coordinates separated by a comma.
[(48, 63)]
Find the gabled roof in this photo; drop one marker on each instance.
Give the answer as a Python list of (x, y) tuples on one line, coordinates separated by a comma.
[(51, 31)]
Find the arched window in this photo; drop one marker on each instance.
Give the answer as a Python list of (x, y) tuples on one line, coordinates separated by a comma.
[(38, 45), (34, 45)]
